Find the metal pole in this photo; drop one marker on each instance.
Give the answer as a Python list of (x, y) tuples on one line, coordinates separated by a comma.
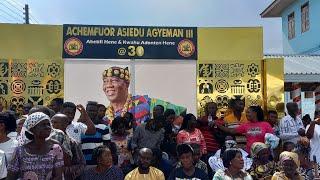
[(26, 10)]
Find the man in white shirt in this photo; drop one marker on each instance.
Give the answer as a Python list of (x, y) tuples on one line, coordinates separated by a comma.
[(77, 128), (216, 162), (291, 126), (313, 133)]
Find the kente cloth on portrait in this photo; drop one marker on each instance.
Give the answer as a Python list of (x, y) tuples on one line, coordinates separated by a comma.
[(141, 107)]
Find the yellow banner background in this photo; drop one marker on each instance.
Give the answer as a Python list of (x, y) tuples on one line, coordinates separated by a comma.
[(230, 65), (30, 61), (30, 81), (274, 84)]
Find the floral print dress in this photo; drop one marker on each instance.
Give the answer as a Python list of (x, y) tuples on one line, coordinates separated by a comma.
[(36, 167)]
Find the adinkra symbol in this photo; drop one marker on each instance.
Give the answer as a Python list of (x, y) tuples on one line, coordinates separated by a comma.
[(205, 100), (222, 70), (35, 69), (54, 70), (53, 86), (222, 86), (35, 100), (205, 70), (236, 70), (253, 85), (3, 88), (222, 101), (206, 87), (35, 89), (19, 69), (18, 86), (4, 69), (237, 87), (254, 102), (253, 70)]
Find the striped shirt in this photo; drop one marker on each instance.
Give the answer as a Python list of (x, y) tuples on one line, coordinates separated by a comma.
[(289, 128), (89, 142), (208, 133)]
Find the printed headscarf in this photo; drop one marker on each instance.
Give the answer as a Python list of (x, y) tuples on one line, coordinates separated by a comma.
[(256, 148), (31, 121), (34, 119), (286, 155)]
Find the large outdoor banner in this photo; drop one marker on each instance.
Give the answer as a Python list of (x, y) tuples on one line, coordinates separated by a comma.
[(186, 66), (229, 63), (229, 66), (129, 42), (161, 62)]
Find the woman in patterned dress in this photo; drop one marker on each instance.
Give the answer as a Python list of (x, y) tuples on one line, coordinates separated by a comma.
[(289, 164), (263, 165), (39, 158)]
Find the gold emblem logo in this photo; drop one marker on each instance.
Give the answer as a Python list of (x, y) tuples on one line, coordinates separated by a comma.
[(186, 48), (73, 46)]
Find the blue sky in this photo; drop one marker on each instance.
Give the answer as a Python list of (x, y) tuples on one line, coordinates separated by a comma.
[(198, 13)]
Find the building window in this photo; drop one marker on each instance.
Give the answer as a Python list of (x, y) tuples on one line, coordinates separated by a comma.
[(305, 17), (291, 29), (308, 94)]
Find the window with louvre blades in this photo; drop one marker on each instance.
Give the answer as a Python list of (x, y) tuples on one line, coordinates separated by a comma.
[(291, 24), (305, 17)]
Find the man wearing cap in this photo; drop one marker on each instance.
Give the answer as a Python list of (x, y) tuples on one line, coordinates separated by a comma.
[(116, 82)]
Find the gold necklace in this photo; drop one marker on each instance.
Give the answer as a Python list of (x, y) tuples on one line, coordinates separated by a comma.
[(110, 111)]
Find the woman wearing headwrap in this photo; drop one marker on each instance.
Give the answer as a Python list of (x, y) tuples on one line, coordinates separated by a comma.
[(263, 166), (289, 162), (40, 158)]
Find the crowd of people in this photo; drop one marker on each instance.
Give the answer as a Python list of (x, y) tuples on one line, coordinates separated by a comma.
[(133, 139), (47, 143)]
